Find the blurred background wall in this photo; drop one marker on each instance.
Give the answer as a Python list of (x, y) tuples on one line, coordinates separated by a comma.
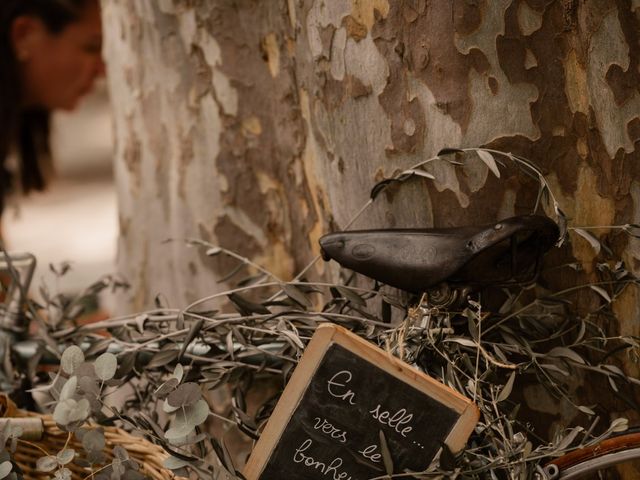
[(75, 219)]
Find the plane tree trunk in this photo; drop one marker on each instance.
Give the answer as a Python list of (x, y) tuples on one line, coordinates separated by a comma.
[(261, 125)]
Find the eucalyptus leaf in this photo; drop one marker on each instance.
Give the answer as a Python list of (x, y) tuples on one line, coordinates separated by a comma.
[(167, 387), (120, 453), (185, 394), (106, 366), (168, 408), (5, 469), (47, 464), (72, 358), (93, 441), (179, 431), (65, 456), (62, 411), (198, 413), (69, 388)]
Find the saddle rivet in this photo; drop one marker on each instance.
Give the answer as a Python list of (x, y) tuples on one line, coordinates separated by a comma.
[(498, 226)]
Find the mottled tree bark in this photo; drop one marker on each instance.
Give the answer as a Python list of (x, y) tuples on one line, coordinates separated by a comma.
[(261, 125)]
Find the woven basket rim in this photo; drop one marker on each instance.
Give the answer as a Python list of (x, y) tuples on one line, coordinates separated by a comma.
[(148, 455)]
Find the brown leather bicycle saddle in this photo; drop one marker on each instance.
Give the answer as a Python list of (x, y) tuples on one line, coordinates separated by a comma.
[(508, 252)]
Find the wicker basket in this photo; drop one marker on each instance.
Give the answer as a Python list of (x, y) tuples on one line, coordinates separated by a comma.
[(145, 453)]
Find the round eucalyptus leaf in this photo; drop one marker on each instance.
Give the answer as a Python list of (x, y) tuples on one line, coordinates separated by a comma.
[(120, 453), (168, 408), (71, 359), (69, 389), (47, 464), (167, 387), (179, 431), (106, 366), (197, 414), (185, 394), (5, 469), (80, 411), (62, 412), (93, 441), (118, 468), (65, 456), (63, 474), (88, 385)]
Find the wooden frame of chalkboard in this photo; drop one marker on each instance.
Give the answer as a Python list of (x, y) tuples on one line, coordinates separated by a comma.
[(428, 414)]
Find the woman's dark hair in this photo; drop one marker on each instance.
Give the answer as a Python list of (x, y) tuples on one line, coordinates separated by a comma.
[(26, 130)]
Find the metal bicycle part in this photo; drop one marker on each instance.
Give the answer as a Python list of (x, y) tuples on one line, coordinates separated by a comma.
[(592, 465), (18, 270), (580, 463), (17, 273)]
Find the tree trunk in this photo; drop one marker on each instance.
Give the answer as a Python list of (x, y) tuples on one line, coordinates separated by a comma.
[(261, 125)]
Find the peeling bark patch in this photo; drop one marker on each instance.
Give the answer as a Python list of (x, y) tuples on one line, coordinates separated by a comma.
[(366, 11), (529, 19), (266, 134), (570, 13), (530, 60), (271, 51), (133, 157), (355, 29), (203, 75), (252, 126), (425, 48), (235, 238), (625, 83), (576, 84), (356, 88), (185, 159), (493, 85), (633, 130), (401, 111), (467, 16), (326, 37)]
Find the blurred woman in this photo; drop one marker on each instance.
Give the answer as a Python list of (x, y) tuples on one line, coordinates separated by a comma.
[(50, 56)]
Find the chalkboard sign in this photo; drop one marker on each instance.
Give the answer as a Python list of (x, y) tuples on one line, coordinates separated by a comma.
[(345, 398)]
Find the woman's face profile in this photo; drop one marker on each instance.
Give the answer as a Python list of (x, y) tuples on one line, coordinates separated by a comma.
[(57, 69)]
